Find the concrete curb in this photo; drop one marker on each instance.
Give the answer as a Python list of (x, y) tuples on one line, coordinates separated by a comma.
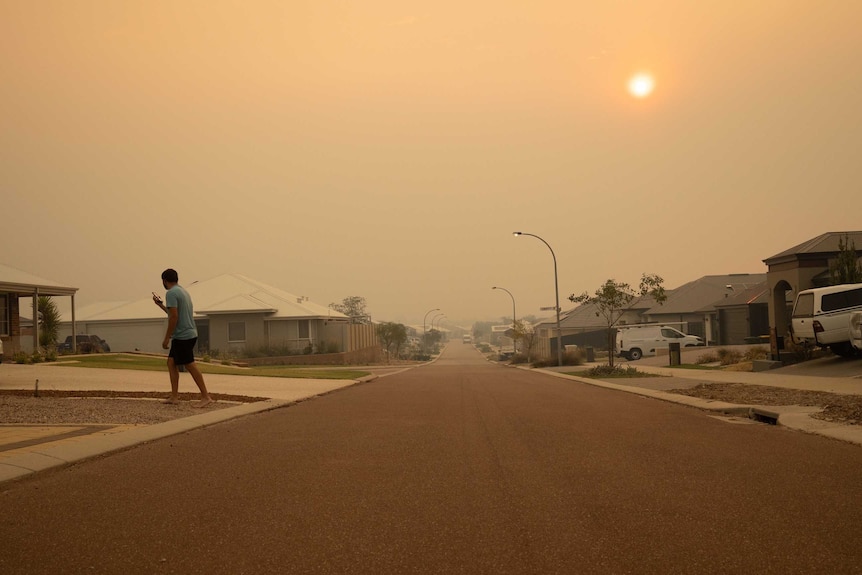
[(790, 416)]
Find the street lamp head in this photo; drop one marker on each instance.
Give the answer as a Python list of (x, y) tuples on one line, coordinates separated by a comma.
[(516, 234)]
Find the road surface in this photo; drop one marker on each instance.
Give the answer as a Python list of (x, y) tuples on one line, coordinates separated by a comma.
[(458, 467)]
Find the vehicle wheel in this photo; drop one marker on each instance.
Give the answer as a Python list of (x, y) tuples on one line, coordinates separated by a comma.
[(635, 354), (844, 349)]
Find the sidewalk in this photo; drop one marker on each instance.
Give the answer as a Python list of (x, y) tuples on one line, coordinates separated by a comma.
[(791, 416), (40, 447)]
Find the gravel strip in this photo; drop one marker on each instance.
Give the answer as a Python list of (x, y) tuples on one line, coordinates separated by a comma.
[(18, 407), (836, 407)]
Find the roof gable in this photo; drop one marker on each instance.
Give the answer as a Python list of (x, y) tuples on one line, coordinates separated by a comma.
[(824, 244)]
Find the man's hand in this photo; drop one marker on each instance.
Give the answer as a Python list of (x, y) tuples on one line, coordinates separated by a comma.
[(166, 343)]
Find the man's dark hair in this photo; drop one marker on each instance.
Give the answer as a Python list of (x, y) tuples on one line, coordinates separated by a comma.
[(170, 275)]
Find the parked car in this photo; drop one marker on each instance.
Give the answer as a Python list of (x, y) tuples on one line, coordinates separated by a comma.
[(85, 343), (821, 317), (636, 341)]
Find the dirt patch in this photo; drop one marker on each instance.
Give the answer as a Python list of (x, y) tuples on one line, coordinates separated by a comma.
[(836, 407), (103, 407)]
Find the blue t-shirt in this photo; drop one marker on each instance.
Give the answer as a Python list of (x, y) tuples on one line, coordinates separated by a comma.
[(179, 298)]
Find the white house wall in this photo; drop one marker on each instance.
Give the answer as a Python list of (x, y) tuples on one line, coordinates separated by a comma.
[(254, 332), (284, 333)]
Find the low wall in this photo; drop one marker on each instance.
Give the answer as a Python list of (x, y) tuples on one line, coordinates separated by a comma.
[(358, 357)]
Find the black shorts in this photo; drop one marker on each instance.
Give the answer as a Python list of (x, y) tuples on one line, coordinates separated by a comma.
[(183, 350)]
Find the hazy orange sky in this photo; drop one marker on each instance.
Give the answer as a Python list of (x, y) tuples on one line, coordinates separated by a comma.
[(388, 148)]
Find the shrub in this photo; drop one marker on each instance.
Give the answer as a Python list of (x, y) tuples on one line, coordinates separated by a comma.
[(518, 358), (569, 358), (756, 353), (37, 357), (728, 356), (615, 371), (708, 357), (21, 357)]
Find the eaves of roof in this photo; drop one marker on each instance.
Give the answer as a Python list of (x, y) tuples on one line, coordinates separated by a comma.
[(22, 283)]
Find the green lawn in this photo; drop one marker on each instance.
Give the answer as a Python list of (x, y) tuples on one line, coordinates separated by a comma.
[(146, 363)]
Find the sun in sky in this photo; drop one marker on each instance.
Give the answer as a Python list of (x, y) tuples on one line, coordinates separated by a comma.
[(641, 85)]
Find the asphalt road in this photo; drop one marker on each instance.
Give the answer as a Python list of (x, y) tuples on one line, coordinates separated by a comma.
[(459, 467)]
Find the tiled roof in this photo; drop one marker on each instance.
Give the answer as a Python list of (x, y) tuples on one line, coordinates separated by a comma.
[(701, 294), (823, 244), (228, 293)]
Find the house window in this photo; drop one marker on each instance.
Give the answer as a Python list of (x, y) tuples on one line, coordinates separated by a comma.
[(236, 331), (4, 314), (304, 330)]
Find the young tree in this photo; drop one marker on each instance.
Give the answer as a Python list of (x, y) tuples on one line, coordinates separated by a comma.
[(49, 321), (354, 308), (614, 298), (845, 269), (391, 335), (524, 333)]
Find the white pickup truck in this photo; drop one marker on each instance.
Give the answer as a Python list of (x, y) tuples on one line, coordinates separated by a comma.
[(821, 317)]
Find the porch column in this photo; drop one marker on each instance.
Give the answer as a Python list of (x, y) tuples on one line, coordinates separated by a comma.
[(36, 320), (74, 330)]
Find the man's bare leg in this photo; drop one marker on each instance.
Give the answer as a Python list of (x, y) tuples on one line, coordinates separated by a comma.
[(175, 381), (196, 374)]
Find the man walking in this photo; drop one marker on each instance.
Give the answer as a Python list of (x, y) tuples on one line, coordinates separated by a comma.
[(180, 336)]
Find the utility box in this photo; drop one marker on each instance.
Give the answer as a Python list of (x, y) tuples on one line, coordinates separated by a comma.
[(673, 352)]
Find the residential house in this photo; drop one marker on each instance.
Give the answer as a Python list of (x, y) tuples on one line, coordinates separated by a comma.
[(234, 314), (692, 307)]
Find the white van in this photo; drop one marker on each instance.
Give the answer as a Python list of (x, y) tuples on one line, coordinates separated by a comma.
[(821, 317), (636, 341)]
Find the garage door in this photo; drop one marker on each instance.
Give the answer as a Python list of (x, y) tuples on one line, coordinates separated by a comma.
[(733, 326)]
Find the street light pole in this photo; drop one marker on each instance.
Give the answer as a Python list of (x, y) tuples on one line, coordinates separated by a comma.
[(556, 292), (514, 317), (424, 319)]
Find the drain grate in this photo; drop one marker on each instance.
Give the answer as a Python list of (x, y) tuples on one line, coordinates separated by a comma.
[(763, 416)]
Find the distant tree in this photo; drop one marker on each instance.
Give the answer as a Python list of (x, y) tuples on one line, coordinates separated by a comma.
[(354, 308), (432, 337), (845, 269), (524, 333), (482, 330), (614, 298), (48, 317), (392, 335)]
